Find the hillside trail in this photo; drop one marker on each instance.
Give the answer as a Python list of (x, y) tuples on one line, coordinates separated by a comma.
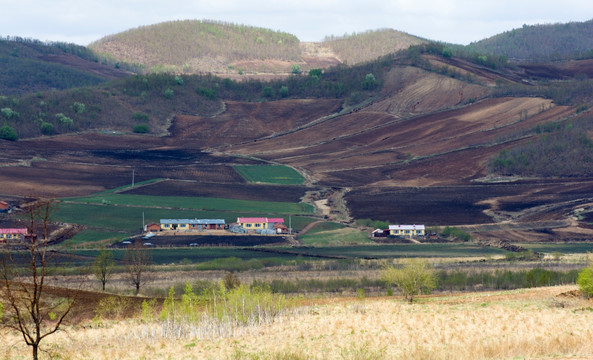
[(309, 227)]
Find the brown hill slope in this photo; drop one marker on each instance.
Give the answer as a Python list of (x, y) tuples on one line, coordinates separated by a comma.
[(197, 46), (416, 154), (192, 46)]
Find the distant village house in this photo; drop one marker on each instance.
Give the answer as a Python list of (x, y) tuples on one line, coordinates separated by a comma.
[(5, 207), (192, 224), (406, 230), (264, 224), (11, 234), (152, 227)]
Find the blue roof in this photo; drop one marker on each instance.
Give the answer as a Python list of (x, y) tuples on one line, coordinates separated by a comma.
[(193, 221)]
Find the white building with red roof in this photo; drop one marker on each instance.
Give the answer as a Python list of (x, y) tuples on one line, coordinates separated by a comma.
[(13, 234), (259, 223)]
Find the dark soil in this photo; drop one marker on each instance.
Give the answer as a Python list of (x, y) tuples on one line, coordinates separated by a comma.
[(210, 240), (251, 192)]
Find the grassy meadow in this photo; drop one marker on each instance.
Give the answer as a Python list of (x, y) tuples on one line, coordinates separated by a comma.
[(270, 174), (110, 216), (536, 323)]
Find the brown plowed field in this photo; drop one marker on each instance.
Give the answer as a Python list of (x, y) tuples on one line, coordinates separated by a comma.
[(368, 139), (210, 240), (252, 192), (78, 165), (523, 202), (410, 157), (559, 71), (245, 122)]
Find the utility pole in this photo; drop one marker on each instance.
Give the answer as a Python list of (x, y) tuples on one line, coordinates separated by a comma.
[(133, 173)]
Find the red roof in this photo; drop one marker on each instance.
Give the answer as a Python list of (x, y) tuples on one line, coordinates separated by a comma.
[(252, 220), (4, 205), (259, 220), (14, 231)]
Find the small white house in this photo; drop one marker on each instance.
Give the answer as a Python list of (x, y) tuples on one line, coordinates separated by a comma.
[(406, 230)]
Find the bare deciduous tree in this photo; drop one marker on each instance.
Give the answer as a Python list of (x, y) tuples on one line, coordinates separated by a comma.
[(103, 266), (29, 308), (136, 259)]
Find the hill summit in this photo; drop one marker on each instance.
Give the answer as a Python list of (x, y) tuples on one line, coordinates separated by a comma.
[(194, 46)]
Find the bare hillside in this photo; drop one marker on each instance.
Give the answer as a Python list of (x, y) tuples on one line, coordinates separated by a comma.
[(197, 46), (366, 46)]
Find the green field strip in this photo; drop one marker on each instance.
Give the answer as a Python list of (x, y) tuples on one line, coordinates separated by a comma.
[(563, 248), (400, 251), (270, 174), (129, 218), (264, 208), (195, 255)]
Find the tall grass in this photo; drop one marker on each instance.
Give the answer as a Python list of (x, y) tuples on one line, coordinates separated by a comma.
[(218, 311)]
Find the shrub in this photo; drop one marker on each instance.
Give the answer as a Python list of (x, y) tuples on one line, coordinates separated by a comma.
[(585, 281), (141, 129), (316, 73), (9, 113), (456, 233), (413, 278), (219, 310), (140, 116), (527, 255), (46, 128), (370, 82), (112, 307), (168, 93), (78, 108), (8, 133), (268, 92), (211, 93), (64, 120), (231, 281), (283, 91)]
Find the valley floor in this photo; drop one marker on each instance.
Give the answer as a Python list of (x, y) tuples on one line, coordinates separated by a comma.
[(551, 322)]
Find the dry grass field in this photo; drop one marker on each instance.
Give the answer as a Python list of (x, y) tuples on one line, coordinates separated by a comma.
[(537, 323)]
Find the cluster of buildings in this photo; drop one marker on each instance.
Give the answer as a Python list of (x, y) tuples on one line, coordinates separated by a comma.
[(408, 231), (258, 225)]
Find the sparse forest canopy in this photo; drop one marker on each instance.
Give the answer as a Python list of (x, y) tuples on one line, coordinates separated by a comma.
[(541, 42), (366, 46), (151, 98), (23, 70), (559, 149), (185, 44)]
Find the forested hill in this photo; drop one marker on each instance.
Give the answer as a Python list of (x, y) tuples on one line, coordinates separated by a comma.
[(193, 45), (369, 45), (29, 66), (541, 42)]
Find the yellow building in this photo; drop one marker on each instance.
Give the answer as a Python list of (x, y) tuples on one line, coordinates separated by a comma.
[(12, 234), (406, 230)]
